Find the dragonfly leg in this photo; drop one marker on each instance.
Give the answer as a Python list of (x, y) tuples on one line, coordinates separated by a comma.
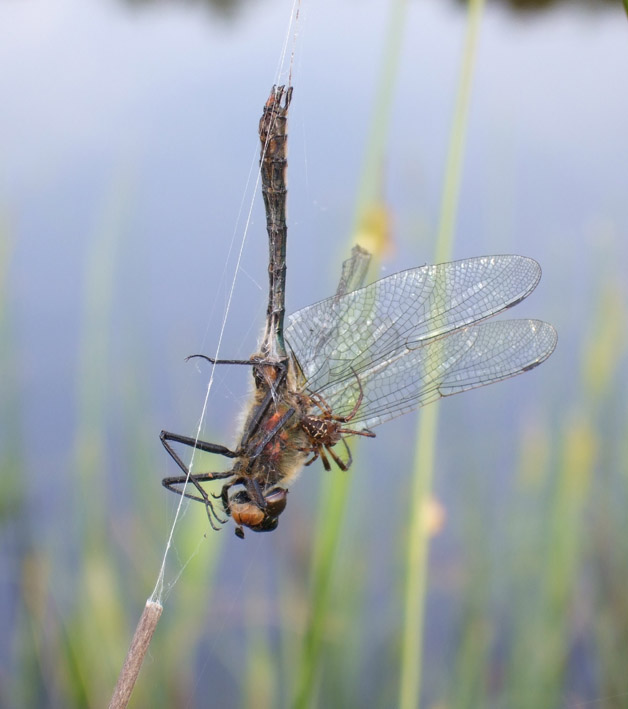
[(171, 483), (266, 402), (282, 371), (211, 360), (196, 480), (166, 436), (271, 434)]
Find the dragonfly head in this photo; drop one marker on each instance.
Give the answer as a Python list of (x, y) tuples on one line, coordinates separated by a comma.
[(247, 513)]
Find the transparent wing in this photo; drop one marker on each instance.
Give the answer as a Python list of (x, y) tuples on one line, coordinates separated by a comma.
[(393, 336), (464, 359), (354, 271)]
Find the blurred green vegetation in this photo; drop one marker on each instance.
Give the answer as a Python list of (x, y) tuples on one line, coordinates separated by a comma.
[(537, 609)]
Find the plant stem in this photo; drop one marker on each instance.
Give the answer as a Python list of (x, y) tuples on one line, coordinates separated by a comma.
[(335, 493), (135, 656), (417, 555)]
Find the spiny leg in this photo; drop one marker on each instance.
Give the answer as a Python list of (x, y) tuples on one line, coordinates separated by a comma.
[(166, 436), (319, 401), (196, 480), (352, 432), (315, 455), (261, 410), (324, 458), (328, 414), (338, 460), (169, 483), (355, 409), (271, 434)]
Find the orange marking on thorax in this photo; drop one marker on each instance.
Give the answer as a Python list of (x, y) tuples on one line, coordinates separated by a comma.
[(275, 446)]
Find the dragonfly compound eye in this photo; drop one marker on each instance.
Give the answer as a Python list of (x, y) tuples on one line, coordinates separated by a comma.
[(276, 501), (247, 513)]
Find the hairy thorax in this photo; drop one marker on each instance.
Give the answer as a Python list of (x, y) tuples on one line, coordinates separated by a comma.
[(284, 453)]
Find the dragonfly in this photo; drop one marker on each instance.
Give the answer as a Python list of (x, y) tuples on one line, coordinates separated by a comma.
[(369, 353)]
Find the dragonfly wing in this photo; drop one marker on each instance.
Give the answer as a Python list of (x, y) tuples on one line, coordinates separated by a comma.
[(354, 271), (426, 371), (367, 328)]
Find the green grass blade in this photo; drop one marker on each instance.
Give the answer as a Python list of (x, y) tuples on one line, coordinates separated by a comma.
[(370, 182), (334, 496), (97, 625), (416, 563), (417, 553), (455, 157), (335, 490)]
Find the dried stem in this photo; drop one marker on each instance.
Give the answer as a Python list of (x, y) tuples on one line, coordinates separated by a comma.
[(135, 656)]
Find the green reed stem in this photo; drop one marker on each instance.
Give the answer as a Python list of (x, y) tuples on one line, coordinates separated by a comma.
[(370, 182), (416, 562), (98, 618), (417, 554), (453, 169), (323, 563), (335, 492)]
